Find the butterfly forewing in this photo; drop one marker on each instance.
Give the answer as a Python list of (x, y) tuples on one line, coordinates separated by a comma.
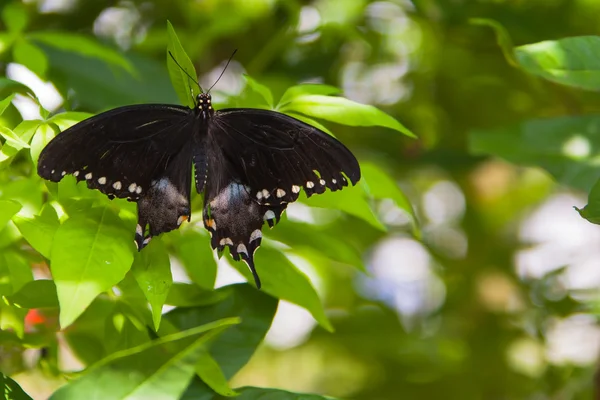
[(119, 152), (277, 155)]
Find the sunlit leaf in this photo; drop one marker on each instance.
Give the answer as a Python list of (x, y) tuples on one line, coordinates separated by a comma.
[(306, 89), (285, 281), (182, 81), (5, 103), (197, 258), (187, 295), (67, 119), (158, 369), (39, 231), (15, 18), (8, 208), (91, 252), (211, 374), (261, 89), (31, 56), (44, 133), (8, 87), (88, 47), (253, 393), (12, 139), (570, 61), (152, 271), (343, 111)]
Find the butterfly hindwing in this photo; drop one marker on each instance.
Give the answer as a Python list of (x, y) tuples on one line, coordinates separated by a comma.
[(119, 152), (278, 155)]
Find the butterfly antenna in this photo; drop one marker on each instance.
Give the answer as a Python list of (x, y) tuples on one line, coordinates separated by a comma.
[(222, 72), (185, 72)]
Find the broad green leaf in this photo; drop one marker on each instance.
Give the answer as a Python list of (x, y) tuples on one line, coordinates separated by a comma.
[(254, 393), (209, 371), (502, 38), (39, 231), (8, 87), (67, 119), (306, 89), (44, 133), (232, 349), (40, 293), (124, 329), (280, 278), (11, 389), (197, 258), (570, 61), (261, 89), (351, 201), (311, 122), (182, 81), (191, 295), (152, 271), (15, 18), (91, 252), (563, 146), (380, 185), (15, 272), (12, 138), (591, 211), (31, 56), (343, 111), (86, 46), (162, 368), (8, 208), (5, 103)]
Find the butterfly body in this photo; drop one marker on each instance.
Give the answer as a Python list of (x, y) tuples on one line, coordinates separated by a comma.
[(249, 164)]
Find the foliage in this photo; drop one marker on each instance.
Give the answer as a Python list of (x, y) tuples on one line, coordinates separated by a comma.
[(423, 279)]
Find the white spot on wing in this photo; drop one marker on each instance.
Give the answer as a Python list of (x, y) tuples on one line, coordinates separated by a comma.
[(138, 230), (52, 172), (181, 219), (88, 176), (226, 241), (76, 173), (259, 195), (117, 185), (138, 189), (266, 193), (322, 181), (63, 173), (256, 234), (269, 215), (334, 181), (132, 187), (102, 180), (296, 189), (242, 249), (280, 193), (310, 184)]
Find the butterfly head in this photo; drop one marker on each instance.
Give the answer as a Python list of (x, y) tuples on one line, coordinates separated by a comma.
[(204, 104)]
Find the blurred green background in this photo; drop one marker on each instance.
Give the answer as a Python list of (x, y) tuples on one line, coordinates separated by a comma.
[(497, 298)]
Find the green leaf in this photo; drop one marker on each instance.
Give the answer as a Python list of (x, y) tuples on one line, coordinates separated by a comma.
[(67, 119), (39, 231), (152, 271), (306, 89), (351, 201), (564, 146), (281, 278), (17, 271), (8, 87), (261, 89), (182, 82), (502, 38), (12, 138), (5, 103), (44, 133), (591, 211), (162, 368), (253, 393), (186, 295), (8, 208), (31, 56), (91, 252), (380, 185), (83, 45), (197, 258), (232, 349), (40, 293), (343, 111), (15, 18), (11, 389), (570, 61), (211, 374)]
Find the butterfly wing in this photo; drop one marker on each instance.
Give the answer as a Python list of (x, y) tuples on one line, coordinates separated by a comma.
[(259, 161), (135, 152), (278, 155)]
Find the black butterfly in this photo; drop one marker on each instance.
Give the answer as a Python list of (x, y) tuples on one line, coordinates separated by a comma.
[(250, 164)]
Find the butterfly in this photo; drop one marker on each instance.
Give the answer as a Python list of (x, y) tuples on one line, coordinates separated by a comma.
[(249, 164)]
